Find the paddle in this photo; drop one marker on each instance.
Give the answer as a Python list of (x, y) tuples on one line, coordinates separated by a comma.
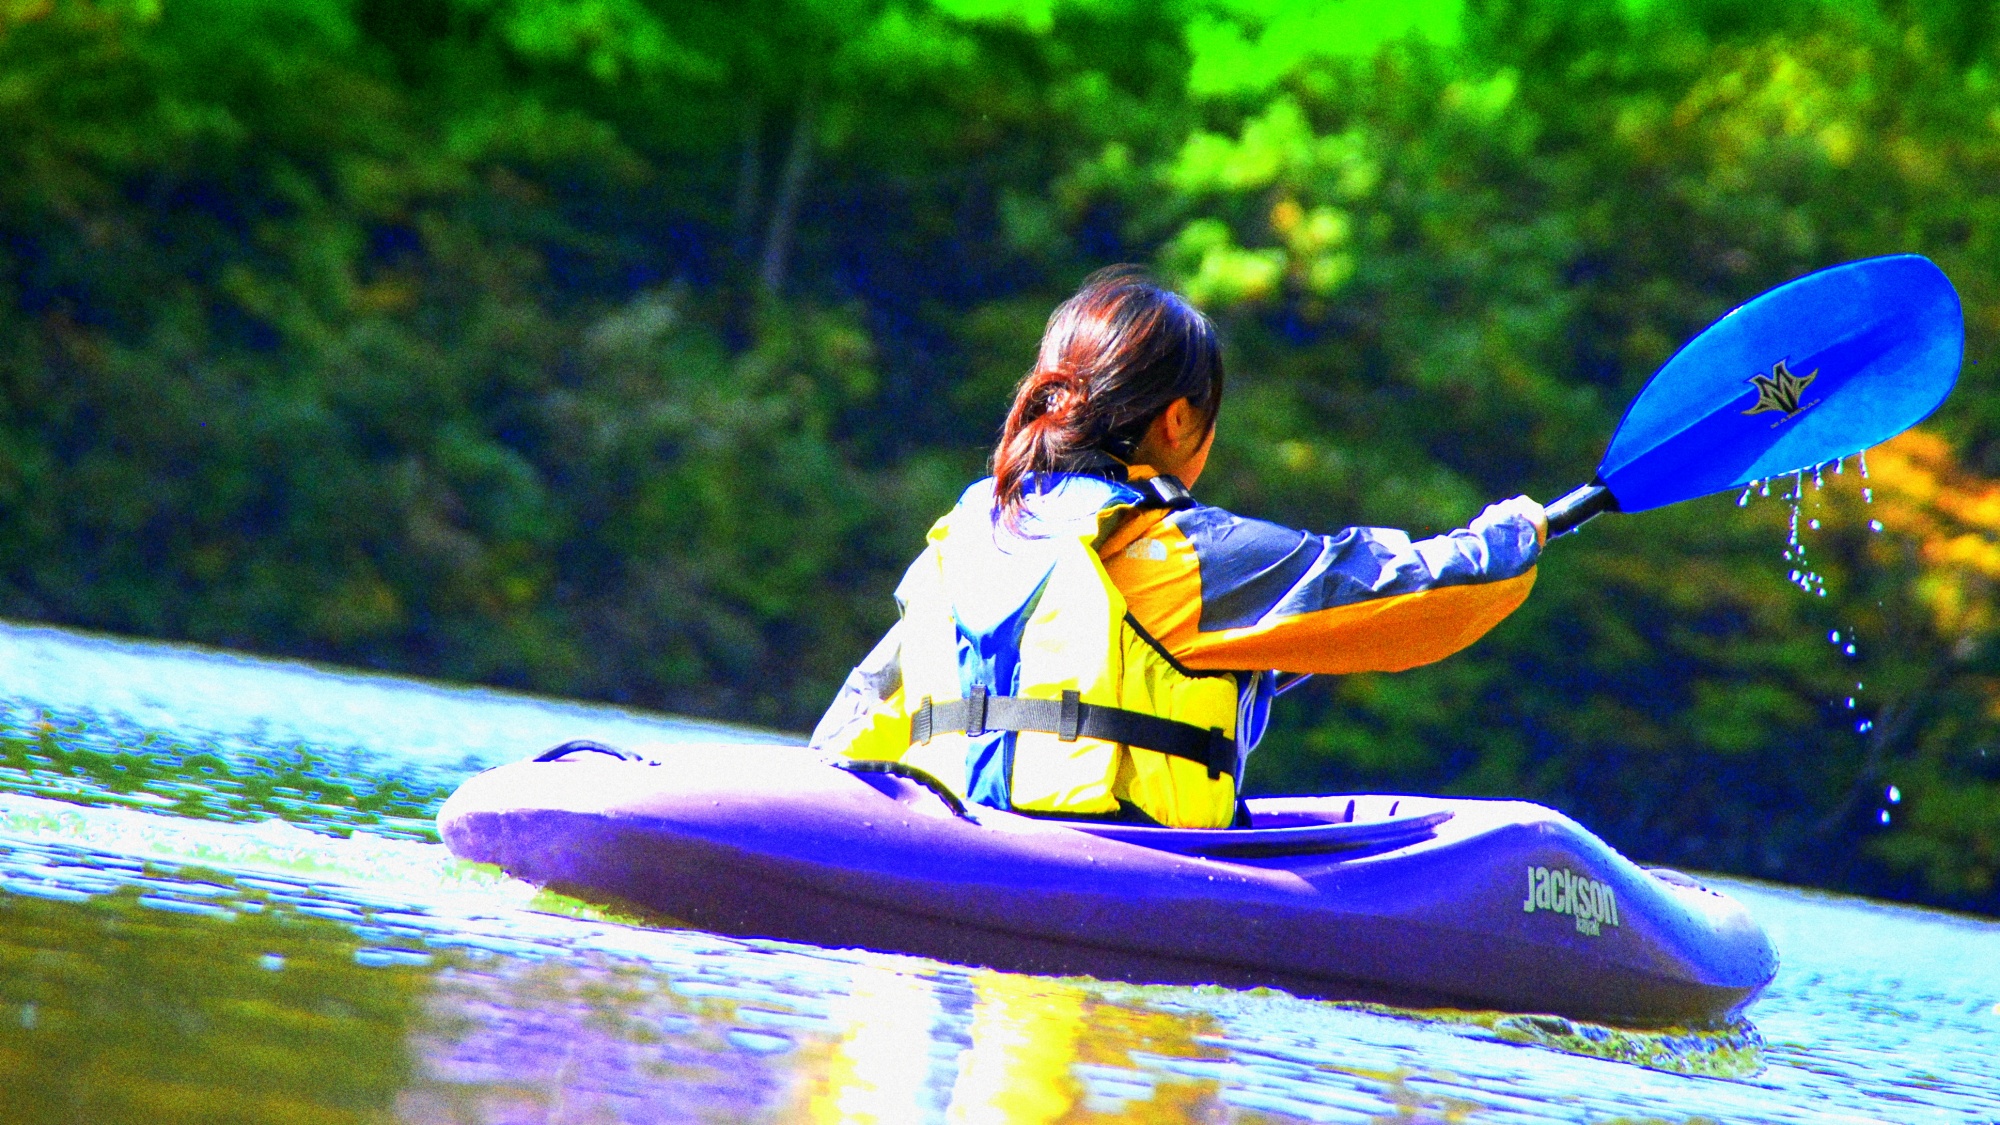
[(1810, 372)]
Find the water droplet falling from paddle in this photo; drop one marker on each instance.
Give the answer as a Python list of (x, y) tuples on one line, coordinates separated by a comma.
[(1802, 574), (1795, 551)]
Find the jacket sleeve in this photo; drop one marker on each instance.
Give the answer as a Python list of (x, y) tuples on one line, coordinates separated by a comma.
[(1219, 591), (873, 682)]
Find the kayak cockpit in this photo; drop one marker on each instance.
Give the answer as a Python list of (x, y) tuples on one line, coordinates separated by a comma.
[(1322, 825), (1278, 826)]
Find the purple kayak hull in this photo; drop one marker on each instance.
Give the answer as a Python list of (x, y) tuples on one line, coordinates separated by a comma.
[(1415, 901)]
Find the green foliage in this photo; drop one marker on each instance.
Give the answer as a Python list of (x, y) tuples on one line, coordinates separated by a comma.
[(625, 349)]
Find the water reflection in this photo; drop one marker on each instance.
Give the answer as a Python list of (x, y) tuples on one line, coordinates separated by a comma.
[(135, 991), (165, 968), (898, 1053), (144, 990), (561, 1042), (1044, 1051), (604, 1042), (118, 1010)]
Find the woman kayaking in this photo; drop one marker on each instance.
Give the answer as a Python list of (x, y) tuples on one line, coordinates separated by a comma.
[(1083, 639)]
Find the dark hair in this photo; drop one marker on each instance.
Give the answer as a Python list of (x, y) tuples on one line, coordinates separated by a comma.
[(1113, 357)]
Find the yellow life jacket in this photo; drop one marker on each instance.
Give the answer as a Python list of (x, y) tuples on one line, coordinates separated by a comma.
[(1028, 686)]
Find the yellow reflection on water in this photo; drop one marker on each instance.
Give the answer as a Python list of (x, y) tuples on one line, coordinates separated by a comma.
[(1034, 1041), (1026, 1039), (1035, 1046), (878, 1071)]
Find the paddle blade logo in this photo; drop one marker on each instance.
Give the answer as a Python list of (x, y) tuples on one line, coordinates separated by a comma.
[(1781, 391)]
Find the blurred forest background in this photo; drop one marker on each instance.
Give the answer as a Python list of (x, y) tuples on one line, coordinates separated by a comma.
[(625, 348)]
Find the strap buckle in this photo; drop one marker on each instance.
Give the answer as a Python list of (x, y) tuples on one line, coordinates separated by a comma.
[(1165, 491), (975, 711), (920, 723), (1221, 754), (1069, 721)]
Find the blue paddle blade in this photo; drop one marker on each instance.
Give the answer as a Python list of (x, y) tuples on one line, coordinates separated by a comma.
[(1812, 371)]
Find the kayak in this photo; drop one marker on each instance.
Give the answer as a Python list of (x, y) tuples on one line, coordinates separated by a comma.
[(1403, 900)]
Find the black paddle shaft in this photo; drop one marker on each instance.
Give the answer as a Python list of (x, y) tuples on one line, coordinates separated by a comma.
[(1579, 506)]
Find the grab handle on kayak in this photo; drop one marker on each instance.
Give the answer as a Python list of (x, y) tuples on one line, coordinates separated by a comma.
[(907, 773), (586, 746)]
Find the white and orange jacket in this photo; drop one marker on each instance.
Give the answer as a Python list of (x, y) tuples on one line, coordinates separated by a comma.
[(1127, 602)]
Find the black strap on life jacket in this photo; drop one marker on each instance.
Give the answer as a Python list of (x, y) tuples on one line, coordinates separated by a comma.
[(1164, 491), (1069, 719), (1160, 491)]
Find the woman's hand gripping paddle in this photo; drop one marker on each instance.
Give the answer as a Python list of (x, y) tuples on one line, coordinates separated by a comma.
[(1810, 372)]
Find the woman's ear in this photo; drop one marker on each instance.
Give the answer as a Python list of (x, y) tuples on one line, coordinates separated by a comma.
[(1183, 423), (1165, 435), (1177, 441)]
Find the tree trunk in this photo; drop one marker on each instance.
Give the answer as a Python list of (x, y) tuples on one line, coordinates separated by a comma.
[(791, 185), (749, 178)]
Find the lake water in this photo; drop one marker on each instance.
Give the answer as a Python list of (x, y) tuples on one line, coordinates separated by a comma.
[(221, 901)]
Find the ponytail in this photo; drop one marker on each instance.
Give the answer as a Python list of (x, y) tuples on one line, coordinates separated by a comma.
[(1112, 358)]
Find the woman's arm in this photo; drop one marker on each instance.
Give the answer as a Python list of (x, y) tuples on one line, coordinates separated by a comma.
[(875, 680), (1220, 591)]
